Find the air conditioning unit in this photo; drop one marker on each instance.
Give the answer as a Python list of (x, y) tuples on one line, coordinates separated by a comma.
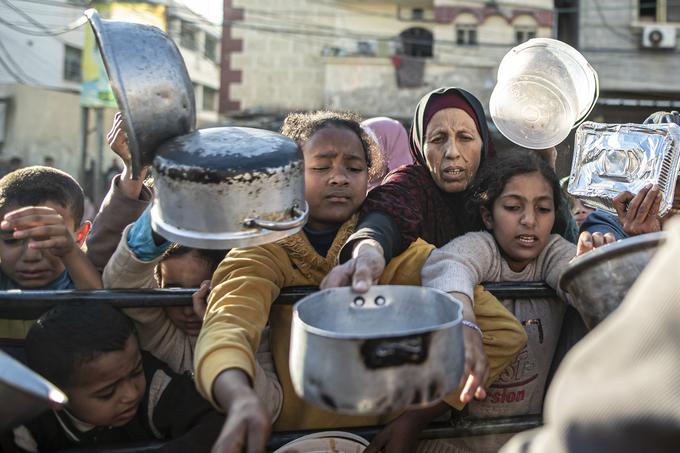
[(659, 37)]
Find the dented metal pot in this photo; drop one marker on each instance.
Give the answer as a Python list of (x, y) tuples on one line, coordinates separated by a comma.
[(228, 187), (149, 81), (599, 280), (373, 353)]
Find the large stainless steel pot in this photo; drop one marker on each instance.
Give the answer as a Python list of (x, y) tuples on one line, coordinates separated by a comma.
[(599, 280), (149, 81), (24, 394), (228, 187), (393, 347)]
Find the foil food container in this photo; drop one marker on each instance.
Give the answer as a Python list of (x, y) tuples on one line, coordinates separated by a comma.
[(613, 158)]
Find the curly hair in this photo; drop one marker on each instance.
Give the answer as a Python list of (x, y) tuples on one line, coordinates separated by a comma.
[(495, 174), (301, 126)]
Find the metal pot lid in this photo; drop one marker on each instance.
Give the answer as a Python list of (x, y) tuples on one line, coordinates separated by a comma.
[(24, 394), (222, 153), (383, 311), (149, 81), (608, 252)]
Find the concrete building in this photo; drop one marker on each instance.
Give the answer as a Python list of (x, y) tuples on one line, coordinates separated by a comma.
[(40, 82), (370, 56), (199, 42), (40, 76), (633, 45)]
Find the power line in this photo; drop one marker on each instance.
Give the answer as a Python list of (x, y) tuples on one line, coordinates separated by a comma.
[(9, 70), (606, 24), (353, 10), (17, 66), (283, 28), (46, 31), (55, 3)]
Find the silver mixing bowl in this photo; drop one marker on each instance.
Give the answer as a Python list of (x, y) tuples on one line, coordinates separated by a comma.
[(150, 82)]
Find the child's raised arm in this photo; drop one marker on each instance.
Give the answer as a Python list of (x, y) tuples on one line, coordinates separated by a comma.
[(46, 229), (129, 186), (124, 203)]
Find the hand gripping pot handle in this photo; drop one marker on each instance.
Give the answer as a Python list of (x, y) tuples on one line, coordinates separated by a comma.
[(280, 226)]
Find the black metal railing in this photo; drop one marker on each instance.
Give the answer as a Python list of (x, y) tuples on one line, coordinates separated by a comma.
[(31, 304), (16, 304)]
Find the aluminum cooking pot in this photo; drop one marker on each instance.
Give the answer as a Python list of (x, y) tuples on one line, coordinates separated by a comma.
[(599, 280), (373, 353), (24, 394), (228, 187), (150, 83)]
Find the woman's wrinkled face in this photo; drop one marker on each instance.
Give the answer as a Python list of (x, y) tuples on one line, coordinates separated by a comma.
[(453, 149)]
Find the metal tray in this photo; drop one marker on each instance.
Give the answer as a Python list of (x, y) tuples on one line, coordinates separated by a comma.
[(613, 158)]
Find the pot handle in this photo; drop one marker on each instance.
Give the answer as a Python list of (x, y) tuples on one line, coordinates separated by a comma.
[(280, 226), (389, 352)]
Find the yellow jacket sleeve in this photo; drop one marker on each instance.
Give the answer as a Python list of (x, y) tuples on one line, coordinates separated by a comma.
[(504, 338), (405, 268), (244, 287)]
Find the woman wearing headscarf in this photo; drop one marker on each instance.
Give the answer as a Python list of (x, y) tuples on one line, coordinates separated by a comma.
[(449, 139), (392, 138)]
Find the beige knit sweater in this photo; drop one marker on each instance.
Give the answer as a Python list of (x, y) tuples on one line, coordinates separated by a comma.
[(158, 335)]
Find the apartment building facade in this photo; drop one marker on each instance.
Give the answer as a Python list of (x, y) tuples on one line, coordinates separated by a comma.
[(371, 56), (41, 51)]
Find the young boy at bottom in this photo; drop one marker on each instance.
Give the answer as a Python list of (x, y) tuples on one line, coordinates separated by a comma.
[(339, 157), (41, 231), (116, 392)]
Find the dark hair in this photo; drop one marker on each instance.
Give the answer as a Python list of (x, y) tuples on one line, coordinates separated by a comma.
[(212, 257), (301, 126), (32, 186), (73, 334), (495, 174)]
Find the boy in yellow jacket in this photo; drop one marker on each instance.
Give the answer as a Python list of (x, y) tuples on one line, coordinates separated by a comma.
[(339, 159)]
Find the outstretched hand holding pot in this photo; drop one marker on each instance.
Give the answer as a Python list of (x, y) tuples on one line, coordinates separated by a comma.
[(360, 272), (366, 267), (476, 362)]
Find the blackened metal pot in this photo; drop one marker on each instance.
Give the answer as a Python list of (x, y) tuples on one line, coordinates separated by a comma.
[(390, 348), (227, 187), (150, 82)]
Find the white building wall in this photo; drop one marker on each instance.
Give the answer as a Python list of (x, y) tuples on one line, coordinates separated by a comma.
[(42, 110), (203, 71), (37, 60)]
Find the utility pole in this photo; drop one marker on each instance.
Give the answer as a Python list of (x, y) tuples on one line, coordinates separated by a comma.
[(84, 126)]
